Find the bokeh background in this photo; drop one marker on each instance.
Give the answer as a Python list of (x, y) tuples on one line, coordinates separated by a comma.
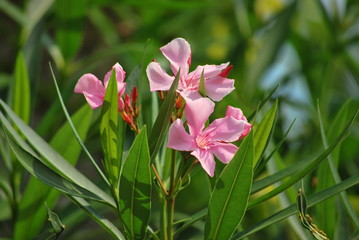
[(309, 47)]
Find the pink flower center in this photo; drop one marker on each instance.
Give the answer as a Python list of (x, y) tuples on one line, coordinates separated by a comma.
[(204, 141), (189, 83)]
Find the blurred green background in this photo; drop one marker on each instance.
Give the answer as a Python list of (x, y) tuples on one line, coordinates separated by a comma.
[(309, 47)]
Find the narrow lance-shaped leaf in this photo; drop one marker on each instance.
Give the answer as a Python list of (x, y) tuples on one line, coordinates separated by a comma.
[(21, 94), (331, 166), (135, 188), (261, 165), (36, 193), (308, 168), (51, 158), (261, 103), (229, 198), (98, 217), (292, 209), (108, 131), (262, 133), (162, 122), (36, 168)]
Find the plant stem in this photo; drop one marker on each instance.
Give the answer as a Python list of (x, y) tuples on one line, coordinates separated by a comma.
[(170, 207), (169, 203)]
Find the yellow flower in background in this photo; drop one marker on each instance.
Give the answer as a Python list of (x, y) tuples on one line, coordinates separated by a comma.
[(265, 9), (218, 49)]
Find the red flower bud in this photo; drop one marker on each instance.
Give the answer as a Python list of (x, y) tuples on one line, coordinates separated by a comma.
[(134, 95)]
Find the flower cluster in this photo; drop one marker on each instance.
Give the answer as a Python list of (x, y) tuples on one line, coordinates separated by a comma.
[(203, 142)]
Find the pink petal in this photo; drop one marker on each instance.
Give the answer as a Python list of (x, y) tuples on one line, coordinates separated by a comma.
[(209, 71), (246, 130), (238, 114), (120, 76), (178, 52), (227, 129), (179, 139), (159, 79), (224, 151), (218, 87), (197, 113), (92, 88), (206, 159)]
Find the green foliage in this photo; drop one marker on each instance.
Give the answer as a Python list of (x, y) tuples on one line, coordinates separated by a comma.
[(135, 188), (295, 51), (230, 195), (162, 122), (108, 132)]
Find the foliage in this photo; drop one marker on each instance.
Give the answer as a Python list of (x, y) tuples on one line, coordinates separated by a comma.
[(292, 60)]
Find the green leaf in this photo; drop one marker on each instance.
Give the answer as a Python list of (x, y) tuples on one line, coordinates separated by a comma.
[(55, 221), (261, 165), (30, 211), (326, 180), (202, 87), (108, 131), (21, 96), (267, 45), (194, 218), (162, 122), (135, 188), (229, 198), (70, 17), (53, 159), (36, 168), (292, 209), (308, 168), (262, 133), (75, 132), (100, 219), (261, 103)]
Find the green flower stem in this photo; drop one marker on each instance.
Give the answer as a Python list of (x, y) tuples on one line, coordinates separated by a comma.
[(169, 202)]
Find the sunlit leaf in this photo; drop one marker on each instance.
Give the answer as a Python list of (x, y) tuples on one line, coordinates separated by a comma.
[(135, 188), (21, 95), (308, 168), (292, 209), (54, 159), (108, 132), (229, 198), (162, 122), (36, 192), (262, 132)]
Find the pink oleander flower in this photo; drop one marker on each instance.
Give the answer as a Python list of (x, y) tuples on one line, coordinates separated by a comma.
[(238, 114), (204, 144), (94, 91), (178, 53)]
